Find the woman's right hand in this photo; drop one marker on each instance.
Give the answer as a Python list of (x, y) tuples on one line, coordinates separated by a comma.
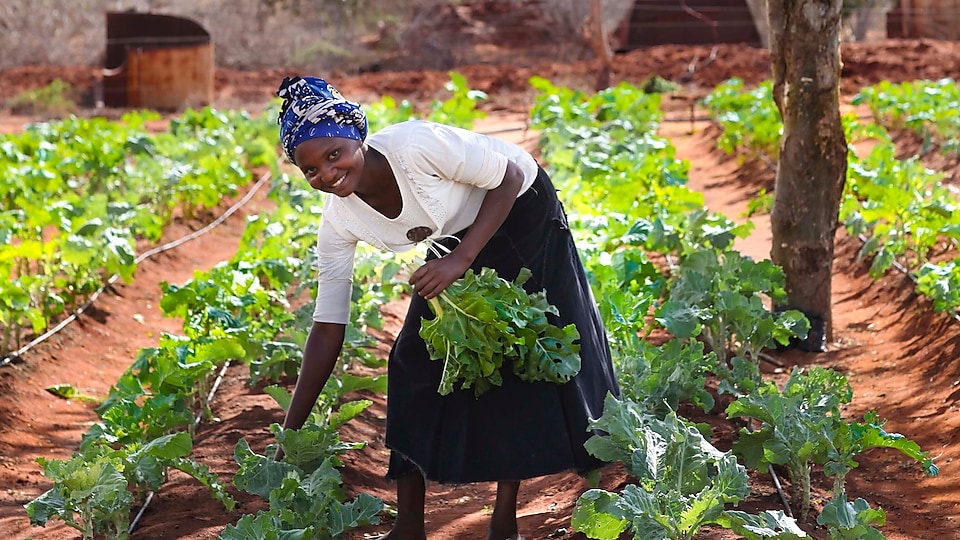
[(437, 274)]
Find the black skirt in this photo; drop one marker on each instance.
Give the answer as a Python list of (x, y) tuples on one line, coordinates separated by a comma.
[(521, 429)]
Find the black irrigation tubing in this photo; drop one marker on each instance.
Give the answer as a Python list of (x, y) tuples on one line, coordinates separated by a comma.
[(196, 422), (18, 355)]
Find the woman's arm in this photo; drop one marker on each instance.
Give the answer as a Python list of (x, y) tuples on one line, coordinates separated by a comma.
[(320, 354), (436, 275)]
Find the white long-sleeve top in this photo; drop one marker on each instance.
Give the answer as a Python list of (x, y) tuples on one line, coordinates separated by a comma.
[(443, 173)]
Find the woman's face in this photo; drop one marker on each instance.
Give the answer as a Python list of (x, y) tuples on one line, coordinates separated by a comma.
[(331, 164)]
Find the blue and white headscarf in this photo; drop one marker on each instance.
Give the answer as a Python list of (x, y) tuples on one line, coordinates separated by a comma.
[(313, 108)]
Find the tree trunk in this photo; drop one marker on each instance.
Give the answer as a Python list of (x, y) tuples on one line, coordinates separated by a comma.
[(758, 10), (813, 155), (596, 35)]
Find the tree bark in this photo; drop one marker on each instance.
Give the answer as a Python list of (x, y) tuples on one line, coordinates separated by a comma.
[(805, 57), (596, 35), (758, 10)]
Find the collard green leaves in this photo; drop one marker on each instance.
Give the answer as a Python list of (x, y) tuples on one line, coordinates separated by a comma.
[(482, 321)]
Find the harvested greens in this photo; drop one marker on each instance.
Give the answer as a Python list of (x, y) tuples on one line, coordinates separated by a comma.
[(482, 321)]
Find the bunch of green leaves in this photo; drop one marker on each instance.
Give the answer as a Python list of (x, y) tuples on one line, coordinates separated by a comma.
[(720, 297), (683, 482), (484, 322)]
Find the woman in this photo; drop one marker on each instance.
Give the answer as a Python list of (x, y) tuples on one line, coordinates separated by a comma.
[(491, 205)]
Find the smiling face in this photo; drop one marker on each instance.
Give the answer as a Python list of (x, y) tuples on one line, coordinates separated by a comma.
[(331, 164)]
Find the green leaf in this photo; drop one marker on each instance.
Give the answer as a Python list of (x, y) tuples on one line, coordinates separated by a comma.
[(68, 391), (598, 515), (773, 524)]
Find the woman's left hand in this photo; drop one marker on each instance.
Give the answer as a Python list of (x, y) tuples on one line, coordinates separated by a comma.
[(436, 275)]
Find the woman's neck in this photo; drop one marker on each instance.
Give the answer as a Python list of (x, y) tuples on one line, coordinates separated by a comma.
[(378, 187)]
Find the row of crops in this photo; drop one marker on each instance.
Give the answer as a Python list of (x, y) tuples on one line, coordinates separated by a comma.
[(79, 195), (660, 265), (901, 209)]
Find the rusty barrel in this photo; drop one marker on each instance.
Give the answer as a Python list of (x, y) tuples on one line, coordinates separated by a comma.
[(157, 61)]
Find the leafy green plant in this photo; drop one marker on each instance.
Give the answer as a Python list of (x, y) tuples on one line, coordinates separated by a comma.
[(94, 490), (52, 101), (482, 322), (90, 496), (923, 106), (460, 109), (683, 482), (900, 206), (760, 204), (80, 192), (305, 489), (662, 377), (850, 439), (769, 524), (801, 426), (846, 520), (749, 117), (941, 283), (720, 297), (626, 284), (796, 425)]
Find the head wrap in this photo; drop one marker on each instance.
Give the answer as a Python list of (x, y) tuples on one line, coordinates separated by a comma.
[(313, 108)]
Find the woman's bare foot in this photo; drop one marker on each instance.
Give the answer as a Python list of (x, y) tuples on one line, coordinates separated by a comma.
[(405, 533), (496, 535)]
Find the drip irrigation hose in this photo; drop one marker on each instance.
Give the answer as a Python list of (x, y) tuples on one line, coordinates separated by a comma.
[(196, 422), (18, 355)]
